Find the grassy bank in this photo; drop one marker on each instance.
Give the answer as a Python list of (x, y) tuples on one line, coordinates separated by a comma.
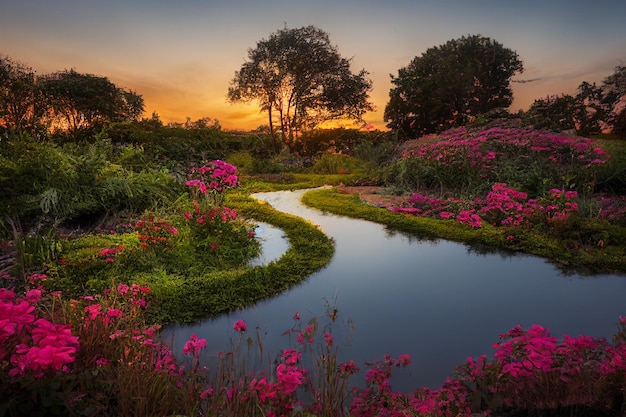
[(532, 241)]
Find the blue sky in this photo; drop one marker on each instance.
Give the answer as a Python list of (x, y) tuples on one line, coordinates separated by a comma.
[(180, 56)]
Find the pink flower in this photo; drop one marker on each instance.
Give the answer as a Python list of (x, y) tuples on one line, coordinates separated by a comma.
[(194, 345), (291, 357), (102, 362), (37, 277), (114, 312), (328, 339), (206, 393), (348, 368), (122, 289), (6, 294), (240, 326), (33, 296), (290, 377), (93, 310), (404, 360)]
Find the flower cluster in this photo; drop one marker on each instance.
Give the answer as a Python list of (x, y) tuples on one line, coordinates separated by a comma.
[(208, 225), (614, 209), (109, 254), (154, 233), (31, 343), (465, 158), (112, 322), (482, 148), (213, 179), (378, 396), (503, 206)]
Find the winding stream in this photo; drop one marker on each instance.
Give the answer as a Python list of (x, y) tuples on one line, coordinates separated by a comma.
[(438, 301)]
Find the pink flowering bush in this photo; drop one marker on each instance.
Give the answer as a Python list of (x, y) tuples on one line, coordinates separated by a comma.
[(93, 354), (465, 159), (30, 343), (211, 181), (613, 209), (218, 234), (502, 207)]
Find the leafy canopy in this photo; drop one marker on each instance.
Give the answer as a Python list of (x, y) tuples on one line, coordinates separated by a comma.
[(593, 110), (76, 101), (300, 79), (18, 97), (450, 83)]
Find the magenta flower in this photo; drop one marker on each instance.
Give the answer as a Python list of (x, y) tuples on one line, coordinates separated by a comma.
[(240, 326), (32, 296), (348, 368), (194, 345), (291, 357), (290, 377), (93, 310), (122, 288), (404, 360)]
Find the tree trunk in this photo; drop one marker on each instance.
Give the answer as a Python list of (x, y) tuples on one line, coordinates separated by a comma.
[(272, 132)]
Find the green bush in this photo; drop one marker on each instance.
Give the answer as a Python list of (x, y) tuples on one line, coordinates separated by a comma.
[(336, 164)]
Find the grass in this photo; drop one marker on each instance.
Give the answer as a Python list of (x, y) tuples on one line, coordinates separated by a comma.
[(189, 299)]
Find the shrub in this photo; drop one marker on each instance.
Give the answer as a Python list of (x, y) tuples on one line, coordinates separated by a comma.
[(532, 161)]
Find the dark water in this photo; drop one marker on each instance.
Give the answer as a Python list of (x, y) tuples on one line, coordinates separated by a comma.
[(438, 301)]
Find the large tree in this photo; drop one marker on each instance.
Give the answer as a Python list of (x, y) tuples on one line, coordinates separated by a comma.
[(450, 83), (78, 101), (300, 80), (18, 95)]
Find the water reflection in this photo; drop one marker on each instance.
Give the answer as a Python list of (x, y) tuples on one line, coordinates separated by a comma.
[(273, 243), (436, 300)]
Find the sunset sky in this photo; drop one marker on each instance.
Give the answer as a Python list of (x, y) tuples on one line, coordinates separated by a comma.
[(181, 56)]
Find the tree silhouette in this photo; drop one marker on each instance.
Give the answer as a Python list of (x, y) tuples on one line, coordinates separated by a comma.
[(300, 79), (450, 83)]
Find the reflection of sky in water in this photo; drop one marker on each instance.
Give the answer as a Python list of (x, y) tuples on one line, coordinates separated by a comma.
[(437, 301), (273, 242)]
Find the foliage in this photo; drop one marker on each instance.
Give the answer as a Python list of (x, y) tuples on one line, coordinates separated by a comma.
[(556, 113), (466, 160), (330, 163), (45, 184), (18, 96), (200, 238), (77, 101), (594, 108), (451, 83), (226, 289), (299, 75), (179, 147), (614, 97)]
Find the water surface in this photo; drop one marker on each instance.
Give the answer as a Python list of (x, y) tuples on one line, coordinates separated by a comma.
[(438, 301)]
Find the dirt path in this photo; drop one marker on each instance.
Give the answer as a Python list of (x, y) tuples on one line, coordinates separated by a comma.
[(373, 195)]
